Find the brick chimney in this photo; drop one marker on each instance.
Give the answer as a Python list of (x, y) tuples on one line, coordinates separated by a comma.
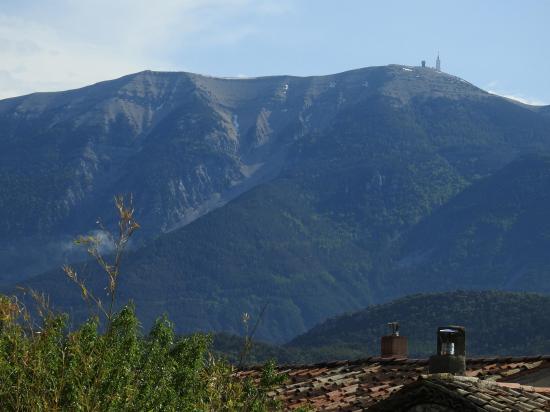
[(451, 351), (393, 345)]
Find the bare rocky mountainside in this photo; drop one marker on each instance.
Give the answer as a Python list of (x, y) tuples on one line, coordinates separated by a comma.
[(313, 195)]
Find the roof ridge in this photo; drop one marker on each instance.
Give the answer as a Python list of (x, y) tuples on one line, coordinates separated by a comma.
[(528, 388), (401, 360), (444, 377)]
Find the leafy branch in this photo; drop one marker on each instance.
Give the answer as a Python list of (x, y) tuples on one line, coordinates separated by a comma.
[(127, 225)]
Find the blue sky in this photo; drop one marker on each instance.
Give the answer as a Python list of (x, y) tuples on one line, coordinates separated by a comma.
[(501, 46)]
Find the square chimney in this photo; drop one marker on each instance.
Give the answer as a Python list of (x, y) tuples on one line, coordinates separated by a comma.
[(393, 345)]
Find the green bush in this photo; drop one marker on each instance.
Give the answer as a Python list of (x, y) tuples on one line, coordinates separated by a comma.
[(110, 365), (48, 368)]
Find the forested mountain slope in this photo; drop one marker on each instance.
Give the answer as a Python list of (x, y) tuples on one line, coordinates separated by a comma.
[(496, 233)]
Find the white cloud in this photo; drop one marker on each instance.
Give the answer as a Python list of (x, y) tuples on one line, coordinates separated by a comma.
[(493, 88), (105, 244), (35, 57), (68, 43), (520, 98)]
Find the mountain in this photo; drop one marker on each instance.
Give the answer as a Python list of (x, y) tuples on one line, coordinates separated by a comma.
[(497, 323), (182, 143), (312, 195)]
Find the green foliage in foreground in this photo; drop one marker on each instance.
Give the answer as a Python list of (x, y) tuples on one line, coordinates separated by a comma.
[(49, 368), (45, 366)]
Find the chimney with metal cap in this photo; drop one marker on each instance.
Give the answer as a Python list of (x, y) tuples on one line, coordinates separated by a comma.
[(451, 351), (393, 345)]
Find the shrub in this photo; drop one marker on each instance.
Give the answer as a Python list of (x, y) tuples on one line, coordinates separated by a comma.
[(111, 366)]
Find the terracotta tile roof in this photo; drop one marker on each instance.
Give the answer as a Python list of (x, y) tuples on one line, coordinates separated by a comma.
[(465, 394), (356, 385)]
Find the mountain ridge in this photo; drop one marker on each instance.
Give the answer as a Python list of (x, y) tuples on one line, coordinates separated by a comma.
[(86, 145)]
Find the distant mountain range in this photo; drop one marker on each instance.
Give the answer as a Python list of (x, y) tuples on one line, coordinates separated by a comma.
[(314, 195)]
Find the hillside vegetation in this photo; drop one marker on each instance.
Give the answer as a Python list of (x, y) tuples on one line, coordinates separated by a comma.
[(497, 323), (494, 234)]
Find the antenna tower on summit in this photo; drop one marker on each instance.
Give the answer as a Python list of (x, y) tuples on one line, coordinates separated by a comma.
[(438, 63)]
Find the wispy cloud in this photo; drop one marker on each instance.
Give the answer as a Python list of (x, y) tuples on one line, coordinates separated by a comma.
[(521, 98), (35, 57), (493, 88), (67, 44)]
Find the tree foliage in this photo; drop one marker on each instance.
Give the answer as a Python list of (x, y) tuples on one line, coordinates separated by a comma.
[(107, 364), (46, 367)]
